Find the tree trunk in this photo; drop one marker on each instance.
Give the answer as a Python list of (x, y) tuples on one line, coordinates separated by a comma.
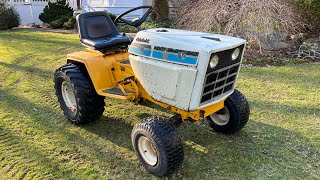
[(160, 10)]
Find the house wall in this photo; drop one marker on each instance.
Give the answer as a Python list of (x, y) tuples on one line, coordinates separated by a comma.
[(29, 10), (114, 6), (117, 7)]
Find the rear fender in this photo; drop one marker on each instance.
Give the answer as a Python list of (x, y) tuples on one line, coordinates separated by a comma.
[(98, 67)]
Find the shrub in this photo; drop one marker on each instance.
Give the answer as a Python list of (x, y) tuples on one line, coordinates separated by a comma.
[(127, 29), (158, 24), (59, 22), (70, 24), (145, 25), (56, 14), (9, 17), (160, 10), (310, 9), (112, 16)]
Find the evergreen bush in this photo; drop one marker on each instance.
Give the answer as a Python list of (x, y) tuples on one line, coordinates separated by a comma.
[(9, 17), (56, 14)]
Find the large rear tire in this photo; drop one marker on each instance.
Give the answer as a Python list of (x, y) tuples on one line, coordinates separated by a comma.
[(158, 146), (76, 94), (233, 117)]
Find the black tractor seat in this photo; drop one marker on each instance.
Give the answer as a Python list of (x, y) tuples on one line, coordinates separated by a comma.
[(98, 32)]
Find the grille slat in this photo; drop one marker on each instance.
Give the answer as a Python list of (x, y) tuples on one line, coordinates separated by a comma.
[(229, 76), (221, 87), (222, 69)]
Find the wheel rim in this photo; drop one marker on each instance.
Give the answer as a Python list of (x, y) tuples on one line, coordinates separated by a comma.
[(147, 151), (69, 96), (221, 117)]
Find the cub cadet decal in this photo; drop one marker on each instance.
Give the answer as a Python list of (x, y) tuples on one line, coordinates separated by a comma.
[(143, 40), (175, 55), (140, 49)]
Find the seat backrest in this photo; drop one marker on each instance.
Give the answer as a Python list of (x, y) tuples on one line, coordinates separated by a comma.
[(96, 25)]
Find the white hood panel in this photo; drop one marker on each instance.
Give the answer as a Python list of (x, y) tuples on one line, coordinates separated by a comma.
[(171, 64)]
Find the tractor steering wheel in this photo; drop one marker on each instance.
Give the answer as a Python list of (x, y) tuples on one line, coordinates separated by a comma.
[(136, 23)]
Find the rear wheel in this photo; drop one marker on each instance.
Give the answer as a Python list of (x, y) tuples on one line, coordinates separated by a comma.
[(158, 146), (76, 94), (233, 117)]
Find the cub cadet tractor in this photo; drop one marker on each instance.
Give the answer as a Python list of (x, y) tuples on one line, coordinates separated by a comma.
[(193, 74)]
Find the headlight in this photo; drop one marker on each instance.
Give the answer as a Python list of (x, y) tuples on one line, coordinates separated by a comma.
[(214, 61), (235, 54)]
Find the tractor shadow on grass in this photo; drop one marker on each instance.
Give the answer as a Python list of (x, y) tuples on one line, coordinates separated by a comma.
[(143, 115), (258, 150), (205, 150), (114, 130)]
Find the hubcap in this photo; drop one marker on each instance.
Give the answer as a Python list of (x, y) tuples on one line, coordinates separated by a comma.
[(221, 117), (69, 96), (147, 151)]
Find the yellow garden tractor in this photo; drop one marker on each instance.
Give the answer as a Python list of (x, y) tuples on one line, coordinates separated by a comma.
[(192, 74)]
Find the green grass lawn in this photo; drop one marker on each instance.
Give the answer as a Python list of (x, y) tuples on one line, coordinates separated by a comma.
[(281, 140)]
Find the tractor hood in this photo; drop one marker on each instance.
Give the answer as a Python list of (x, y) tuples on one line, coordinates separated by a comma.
[(187, 40), (173, 66)]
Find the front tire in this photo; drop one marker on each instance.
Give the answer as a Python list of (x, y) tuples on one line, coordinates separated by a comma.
[(76, 94), (233, 117), (158, 146)]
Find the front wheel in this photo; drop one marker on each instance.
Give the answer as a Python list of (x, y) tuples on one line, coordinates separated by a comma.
[(158, 146), (233, 117)]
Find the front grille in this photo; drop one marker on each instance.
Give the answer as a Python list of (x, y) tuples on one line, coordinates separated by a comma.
[(219, 83), (220, 80)]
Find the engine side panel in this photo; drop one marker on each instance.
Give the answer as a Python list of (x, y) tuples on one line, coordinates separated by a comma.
[(166, 82)]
